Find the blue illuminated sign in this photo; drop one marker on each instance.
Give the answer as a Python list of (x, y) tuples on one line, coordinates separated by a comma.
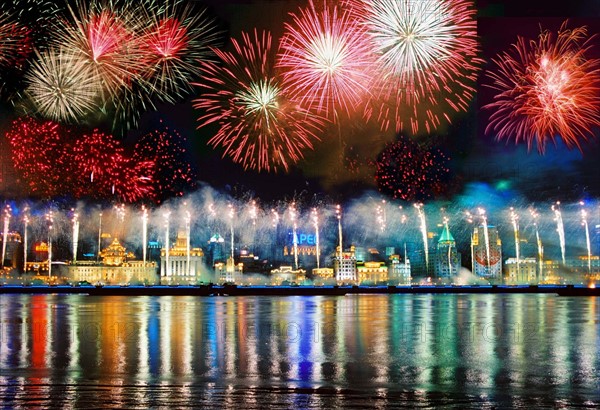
[(303, 239)]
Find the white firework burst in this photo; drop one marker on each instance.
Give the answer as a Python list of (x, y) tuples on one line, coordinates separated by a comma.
[(62, 87)]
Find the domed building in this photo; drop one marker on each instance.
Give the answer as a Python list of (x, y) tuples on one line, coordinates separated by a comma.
[(118, 267)]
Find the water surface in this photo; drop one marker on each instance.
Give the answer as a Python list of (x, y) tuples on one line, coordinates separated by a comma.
[(307, 352)]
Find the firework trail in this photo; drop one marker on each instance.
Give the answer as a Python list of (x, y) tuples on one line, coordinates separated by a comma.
[(166, 216), (7, 214), (584, 223), (560, 228), (324, 55), (486, 235), (25, 237), (546, 88), (540, 246), (75, 236), (423, 227), (315, 219), (260, 127), (426, 55), (62, 87), (514, 219)]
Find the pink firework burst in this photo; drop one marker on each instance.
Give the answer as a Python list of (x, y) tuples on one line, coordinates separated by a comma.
[(426, 56), (260, 127), (324, 58), (546, 88)]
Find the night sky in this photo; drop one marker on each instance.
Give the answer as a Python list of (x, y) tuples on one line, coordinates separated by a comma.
[(341, 167)]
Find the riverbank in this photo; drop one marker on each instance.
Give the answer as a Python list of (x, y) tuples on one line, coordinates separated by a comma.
[(233, 290)]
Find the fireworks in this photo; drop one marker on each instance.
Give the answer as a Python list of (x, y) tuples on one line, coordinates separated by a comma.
[(130, 181), (105, 169), (426, 53), (259, 126), (94, 152), (407, 171), (546, 88), (15, 43), (175, 41), (324, 55), (38, 154), (106, 40), (62, 87), (172, 173), (54, 162)]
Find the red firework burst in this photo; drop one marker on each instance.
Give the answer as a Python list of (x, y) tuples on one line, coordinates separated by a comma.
[(546, 88), (260, 127), (52, 162), (407, 171), (93, 153), (15, 44), (324, 58), (104, 169), (175, 41), (426, 55), (128, 179), (39, 156)]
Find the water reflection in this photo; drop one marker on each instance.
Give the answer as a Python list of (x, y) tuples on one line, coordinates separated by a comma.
[(299, 351)]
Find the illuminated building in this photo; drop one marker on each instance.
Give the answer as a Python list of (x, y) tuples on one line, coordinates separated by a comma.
[(322, 275), (523, 272), (372, 272), (228, 272), (399, 271), (117, 267), (345, 266), (487, 262), (178, 270), (581, 270), (370, 266), (447, 261), (287, 274)]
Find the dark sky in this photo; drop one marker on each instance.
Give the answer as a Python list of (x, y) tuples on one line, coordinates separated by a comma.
[(560, 173)]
